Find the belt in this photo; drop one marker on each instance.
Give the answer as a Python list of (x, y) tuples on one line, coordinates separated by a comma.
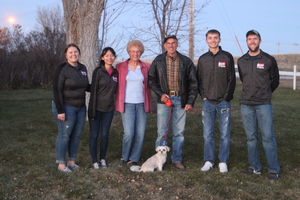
[(174, 93)]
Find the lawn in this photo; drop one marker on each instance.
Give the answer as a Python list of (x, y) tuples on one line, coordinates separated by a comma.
[(28, 169)]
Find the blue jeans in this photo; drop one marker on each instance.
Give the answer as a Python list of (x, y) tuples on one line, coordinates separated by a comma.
[(262, 116), (101, 124), (69, 132), (209, 112), (178, 118), (134, 123)]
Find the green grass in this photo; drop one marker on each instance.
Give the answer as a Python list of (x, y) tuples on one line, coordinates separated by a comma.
[(28, 169)]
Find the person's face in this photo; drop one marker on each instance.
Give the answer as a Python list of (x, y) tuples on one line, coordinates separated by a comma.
[(135, 53), (109, 58), (72, 55), (213, 40), (171, 46), (253, 43)]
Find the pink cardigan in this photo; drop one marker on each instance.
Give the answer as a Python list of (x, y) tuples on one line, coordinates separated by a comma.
[(120, 95)]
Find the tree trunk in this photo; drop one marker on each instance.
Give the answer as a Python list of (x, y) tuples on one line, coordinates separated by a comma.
[(82, 18)]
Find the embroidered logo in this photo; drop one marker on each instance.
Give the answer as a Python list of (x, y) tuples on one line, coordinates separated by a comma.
[(222, 64), (83, 73), (115, 79), (260, 65)]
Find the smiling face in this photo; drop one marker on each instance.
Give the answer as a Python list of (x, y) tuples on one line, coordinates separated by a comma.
[(108, 58), (253, 42), (135, 53), (213, 40), (171, 46), (72, 55)]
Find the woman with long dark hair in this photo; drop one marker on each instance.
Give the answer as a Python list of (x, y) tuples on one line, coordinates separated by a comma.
[(102, 105)]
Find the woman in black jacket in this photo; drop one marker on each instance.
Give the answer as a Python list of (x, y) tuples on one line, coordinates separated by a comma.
[(70, 82), (102, 105)]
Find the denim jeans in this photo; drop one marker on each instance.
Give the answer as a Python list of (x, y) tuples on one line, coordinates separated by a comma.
[(69, 132), (209, 112), (178, 118), (262, 116), (101, 124), (134, 123)]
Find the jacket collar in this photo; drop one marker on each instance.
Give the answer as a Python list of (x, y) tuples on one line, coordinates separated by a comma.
[(220, 49), (258, 55)]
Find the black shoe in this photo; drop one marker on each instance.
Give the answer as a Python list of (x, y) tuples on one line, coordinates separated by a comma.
[(273, 176), (122, 162), (251, 171), (131, 163)]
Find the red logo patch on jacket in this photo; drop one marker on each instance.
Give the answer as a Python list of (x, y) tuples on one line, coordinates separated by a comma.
[(222, 64), (260, 65)]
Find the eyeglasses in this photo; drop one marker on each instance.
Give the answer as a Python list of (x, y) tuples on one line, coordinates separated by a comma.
[(171, 43), (137, 52)]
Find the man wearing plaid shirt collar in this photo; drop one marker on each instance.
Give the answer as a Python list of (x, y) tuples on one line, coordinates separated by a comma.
[(172, 76)]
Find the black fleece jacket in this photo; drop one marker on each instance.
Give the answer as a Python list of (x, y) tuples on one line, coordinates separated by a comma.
[(69, 86), (260, 77), (103, 89), (216, 76)]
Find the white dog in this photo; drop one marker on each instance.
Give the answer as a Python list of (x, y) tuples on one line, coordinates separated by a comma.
[(155, 162)]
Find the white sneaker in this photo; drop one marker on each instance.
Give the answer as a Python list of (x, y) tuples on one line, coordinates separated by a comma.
[(103, 163), (223, 167), (207, 166), (95, 165)]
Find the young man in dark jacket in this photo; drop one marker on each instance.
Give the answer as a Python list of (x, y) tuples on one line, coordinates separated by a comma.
[(260, 77), (172, 76), (216, 85)]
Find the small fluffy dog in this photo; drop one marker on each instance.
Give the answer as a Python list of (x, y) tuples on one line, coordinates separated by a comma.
[(155, 162)]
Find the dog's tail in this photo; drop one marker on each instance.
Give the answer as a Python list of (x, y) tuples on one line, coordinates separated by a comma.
[(135, 168)]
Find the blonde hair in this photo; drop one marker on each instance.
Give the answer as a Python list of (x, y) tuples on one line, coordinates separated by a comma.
[(136, 43)]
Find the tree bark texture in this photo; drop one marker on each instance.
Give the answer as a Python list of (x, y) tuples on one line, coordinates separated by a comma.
[(82, 18)]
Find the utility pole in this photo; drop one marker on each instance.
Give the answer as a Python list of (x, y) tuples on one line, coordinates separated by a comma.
[(296, 47), (191, 31), (278, 44)]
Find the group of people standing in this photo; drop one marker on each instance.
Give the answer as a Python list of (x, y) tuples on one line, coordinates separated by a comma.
[(171, 76)]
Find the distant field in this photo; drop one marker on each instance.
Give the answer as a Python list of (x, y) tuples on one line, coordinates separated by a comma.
[(285, 62)]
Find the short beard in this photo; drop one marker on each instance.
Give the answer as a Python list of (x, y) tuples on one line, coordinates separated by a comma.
[(254, 50)]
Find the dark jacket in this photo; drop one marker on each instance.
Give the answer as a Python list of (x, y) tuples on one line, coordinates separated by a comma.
[(69, 86), (260, 78), (187, 79), (103, 89), (216, 76)]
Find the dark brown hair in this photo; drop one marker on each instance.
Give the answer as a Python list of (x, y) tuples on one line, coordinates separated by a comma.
[(72, 45)]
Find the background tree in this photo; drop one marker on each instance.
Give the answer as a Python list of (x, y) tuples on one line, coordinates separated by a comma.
[(47, 43), (82, 20), (28, 61), (165, 17), (107, 37)]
